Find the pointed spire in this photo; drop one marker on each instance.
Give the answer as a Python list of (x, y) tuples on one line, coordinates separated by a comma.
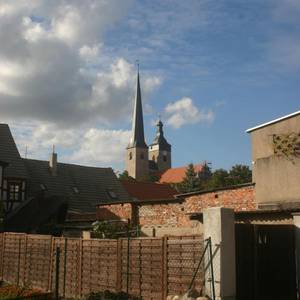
[(138, 138)]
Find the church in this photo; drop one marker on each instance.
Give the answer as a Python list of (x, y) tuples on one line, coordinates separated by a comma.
[(141, 159)]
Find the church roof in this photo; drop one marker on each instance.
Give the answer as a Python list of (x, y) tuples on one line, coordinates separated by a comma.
[(176, 175), (138, 138)]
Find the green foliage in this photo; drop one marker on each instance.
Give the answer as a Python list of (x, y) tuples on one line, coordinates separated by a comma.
[(190, 182), (204, 176), (107, 295), (206, 179), (218, 179), (125, 176), (240, 174), (113, 230)]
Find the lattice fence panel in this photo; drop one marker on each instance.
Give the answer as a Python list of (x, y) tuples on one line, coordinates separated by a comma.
[(183, 256), (37, 262), (13, 257), (99, 265), (145, 273)]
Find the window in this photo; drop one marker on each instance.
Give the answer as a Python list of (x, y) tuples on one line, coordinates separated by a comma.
[(112, 194), (153, 157), (130, 156), (75, 190), (142, 155), (14, 192), (165, 158)]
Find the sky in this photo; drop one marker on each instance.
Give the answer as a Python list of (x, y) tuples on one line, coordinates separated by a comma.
[(211, 69)]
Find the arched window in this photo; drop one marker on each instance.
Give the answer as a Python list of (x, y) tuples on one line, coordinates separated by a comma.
[(130, 156)]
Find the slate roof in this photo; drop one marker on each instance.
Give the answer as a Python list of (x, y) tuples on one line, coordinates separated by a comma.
[(10, 154), (144, 191), (176, 175), (93, 184), (138, 138)]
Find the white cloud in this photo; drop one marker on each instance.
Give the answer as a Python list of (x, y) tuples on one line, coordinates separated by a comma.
[(183, 112), (91, 146), (100, 146), (59, 82), (53, 70)]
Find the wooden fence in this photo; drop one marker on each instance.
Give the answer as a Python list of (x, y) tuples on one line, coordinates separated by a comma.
[(151, 267)]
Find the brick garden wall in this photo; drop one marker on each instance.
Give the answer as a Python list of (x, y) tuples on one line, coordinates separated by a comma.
[(173, 218), (239, 199)]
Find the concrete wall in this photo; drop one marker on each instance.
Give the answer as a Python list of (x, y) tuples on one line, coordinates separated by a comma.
[(136, 163), (277, 181), (276, 176), (219, 226), (262, 138)]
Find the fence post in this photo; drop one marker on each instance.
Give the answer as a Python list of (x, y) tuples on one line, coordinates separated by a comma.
[(19, 261), (80, 267), (165, 267), (119, 265), (65, 266), (2, 253), (57, 262), (128, 257)]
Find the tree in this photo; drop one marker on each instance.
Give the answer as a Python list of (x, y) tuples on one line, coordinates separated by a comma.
[(125, 176), (239, 174), (204, 175), (191, 180), (219, 178)]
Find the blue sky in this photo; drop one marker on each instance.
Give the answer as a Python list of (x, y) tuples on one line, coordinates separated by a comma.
[(212, 69)]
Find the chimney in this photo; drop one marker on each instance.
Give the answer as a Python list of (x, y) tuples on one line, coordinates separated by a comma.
[(53, 163)]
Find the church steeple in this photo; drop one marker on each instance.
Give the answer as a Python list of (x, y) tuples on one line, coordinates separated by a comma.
[(138, 138), (160, 149), (160, 139), (137, 164)]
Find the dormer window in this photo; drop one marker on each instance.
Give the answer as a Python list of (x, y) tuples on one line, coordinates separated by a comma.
[(112, 194), (14, 192), (75, 190)]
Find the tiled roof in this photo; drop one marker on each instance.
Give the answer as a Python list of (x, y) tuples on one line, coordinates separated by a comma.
[(10, 154), (84, 187), (176, 175), (149, 191)]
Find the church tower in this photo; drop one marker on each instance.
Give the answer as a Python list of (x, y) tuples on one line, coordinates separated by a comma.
[(160, 149), (137, 164)]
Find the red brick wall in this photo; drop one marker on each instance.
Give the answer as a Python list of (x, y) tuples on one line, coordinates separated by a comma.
[(240, 199), (114, 212), (177, 214), (164, 214)]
